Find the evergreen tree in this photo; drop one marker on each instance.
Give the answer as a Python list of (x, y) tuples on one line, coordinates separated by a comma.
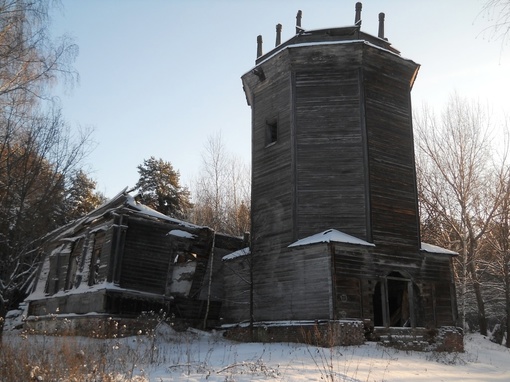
[(160, 189), (81, 196)]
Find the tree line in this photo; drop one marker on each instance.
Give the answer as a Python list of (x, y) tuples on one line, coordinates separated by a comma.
[(463, 173), (462, 170), (220, 195), (43, 181), (39, 155)]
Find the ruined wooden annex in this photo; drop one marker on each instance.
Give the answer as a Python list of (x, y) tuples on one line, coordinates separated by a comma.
[(335, 220), (124, 259)]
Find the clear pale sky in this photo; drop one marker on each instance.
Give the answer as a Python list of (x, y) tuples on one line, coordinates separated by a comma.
[(158, 77)]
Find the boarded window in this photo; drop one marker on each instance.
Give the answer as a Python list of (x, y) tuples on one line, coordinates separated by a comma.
[(59, 263), (72, 267), (95, 261)]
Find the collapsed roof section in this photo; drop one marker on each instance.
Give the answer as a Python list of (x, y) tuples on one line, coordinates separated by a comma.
[(124, 258)]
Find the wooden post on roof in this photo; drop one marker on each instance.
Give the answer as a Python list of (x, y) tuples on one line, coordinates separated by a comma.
[(381, 25), (278, 35), (259, 46), (357, 18)]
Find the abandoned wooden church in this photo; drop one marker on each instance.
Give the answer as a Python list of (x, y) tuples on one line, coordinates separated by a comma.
[(335, 221), (335, 233), (124, 259)]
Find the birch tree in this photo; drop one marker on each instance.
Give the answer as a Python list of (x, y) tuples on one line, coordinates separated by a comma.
[(455, 176), (497, 264), (29, 59), (496, 248), (38, 151), (498, 13), (221, 193)]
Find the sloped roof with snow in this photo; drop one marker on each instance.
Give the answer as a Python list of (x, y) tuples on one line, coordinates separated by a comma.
[(430, 248), (331, 235), (236, 254), (122, 201)]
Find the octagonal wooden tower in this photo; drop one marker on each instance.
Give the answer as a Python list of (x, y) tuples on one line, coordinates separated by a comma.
[(335, 222)]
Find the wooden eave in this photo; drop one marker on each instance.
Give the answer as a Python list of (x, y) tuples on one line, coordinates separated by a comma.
[(351, 34)]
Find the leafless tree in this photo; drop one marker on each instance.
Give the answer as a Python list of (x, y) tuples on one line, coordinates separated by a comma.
[(29, 59), (38, 156), (456, 175), (498, 14), (221, 193), (496, 253), (38, 151)]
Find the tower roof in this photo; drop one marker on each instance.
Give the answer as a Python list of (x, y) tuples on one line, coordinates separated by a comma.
[(325, 35), (330, 35)]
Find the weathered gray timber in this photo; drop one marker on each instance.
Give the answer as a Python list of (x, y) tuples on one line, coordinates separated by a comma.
[(335, 222), (344, 153), (124, 259)]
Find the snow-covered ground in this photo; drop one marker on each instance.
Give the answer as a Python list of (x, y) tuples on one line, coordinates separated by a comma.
[(210, 358), (201, 356)]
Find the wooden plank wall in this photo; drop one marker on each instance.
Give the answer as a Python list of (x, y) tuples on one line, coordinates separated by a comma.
[(440, 299), (272, 189), (344, 159), (365, 267), (149, 252), (393, 195), (296, 285), (293, 285), (330, 156), (146, 257), (236, 302)]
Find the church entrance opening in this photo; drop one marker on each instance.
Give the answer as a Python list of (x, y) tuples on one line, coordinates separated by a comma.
[(393, 301)]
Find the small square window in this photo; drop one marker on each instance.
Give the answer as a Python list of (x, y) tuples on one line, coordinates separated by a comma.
[(271, 132)]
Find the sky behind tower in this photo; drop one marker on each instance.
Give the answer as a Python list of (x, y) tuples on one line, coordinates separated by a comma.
[(157, 77)]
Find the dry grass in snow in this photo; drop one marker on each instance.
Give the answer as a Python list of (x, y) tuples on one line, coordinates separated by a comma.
[(166, 355)]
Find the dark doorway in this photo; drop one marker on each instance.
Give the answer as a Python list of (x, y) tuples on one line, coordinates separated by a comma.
[(391, 301), (377, 303), (398, 302)]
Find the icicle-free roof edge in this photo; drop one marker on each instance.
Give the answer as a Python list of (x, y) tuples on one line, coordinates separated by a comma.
[(328, 236), (236, 254), (430, 248)]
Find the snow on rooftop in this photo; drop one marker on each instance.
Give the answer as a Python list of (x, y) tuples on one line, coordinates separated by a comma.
[(39, 294), (180, 233), (236, 254), (318, 43), (331, 235), (435, 249), (130, 201)]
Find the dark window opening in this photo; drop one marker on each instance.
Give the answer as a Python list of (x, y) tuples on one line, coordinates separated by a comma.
[(95, 260), (271, 132), (184, 257)]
